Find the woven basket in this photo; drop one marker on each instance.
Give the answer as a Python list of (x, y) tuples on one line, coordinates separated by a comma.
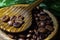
[(28, 21)]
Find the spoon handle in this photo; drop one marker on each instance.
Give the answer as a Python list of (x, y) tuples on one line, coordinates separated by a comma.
[(31, 6)]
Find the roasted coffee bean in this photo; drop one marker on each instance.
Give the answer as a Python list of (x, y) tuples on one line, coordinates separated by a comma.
[(42, 30), (47, 33), (10, 23), (32, 39), (42, 13), (17, 24), (31, 31), (41, 23), (38, 15), (34, 36), (5, 18), (13, 18), (36, 32), (42, 17), (27, 39), (29, 35), (38, 38), (35, 15), (35, 11), (22, 36), (21, 39), (48, 22), (38, 8), (36, 18), (20, 17), (43, 36), (48, 18), (11, 36), (15, 37), (50, 28)]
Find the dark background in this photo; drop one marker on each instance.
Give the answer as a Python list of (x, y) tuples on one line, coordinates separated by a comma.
[(57, 36)]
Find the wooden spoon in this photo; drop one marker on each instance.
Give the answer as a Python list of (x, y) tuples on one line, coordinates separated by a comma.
[(16, 11)]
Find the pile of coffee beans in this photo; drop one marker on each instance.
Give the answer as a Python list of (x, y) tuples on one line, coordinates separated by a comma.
[(15, 21), (42, 26)]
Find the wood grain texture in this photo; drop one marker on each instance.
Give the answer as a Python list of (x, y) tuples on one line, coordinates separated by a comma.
[(15, 10)]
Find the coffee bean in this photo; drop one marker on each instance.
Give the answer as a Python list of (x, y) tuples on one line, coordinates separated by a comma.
[(50, 28), (10, 23), (42, 17), (20, 17), (38, 38), (17, 24), (41, 23), (32, 39), (21, 39), (30, 31), (29, 35), (38, 15), (34, 36), (36, 19), (42, 30), (21, 36), (27, 39), (42, 13), (35, 15), (48, 18), (37, 7), (13, 18), (5, 18), (36, 32), (11, 36), (49, 22)]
